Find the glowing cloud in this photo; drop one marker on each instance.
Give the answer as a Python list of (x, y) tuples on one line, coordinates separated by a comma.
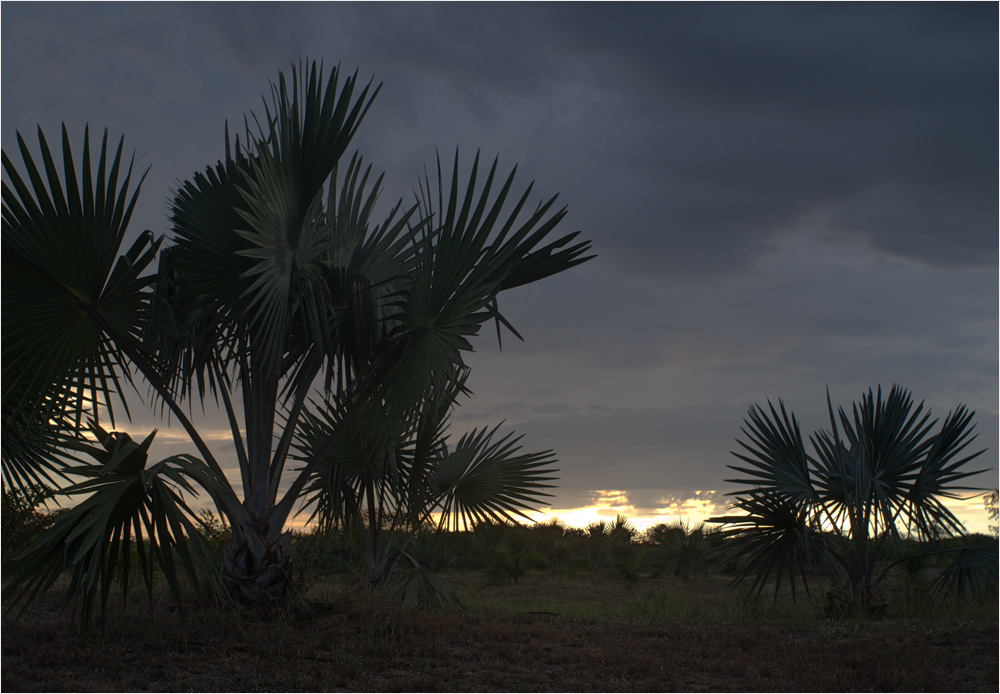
[(608, 503)]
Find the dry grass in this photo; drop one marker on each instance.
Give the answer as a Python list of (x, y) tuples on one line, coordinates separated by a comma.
[(544, 634)]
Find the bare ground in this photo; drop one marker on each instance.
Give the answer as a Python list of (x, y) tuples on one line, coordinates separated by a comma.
[(353, 642)]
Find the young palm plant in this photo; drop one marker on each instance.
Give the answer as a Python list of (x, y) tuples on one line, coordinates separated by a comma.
[(608, 545), (685, 548), (279, 297), (879, 472)]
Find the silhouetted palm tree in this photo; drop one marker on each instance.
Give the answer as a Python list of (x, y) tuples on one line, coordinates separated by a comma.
[(879, 472), (336, 339)]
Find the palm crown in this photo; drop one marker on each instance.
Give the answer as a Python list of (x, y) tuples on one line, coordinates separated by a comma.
[(879, 472)]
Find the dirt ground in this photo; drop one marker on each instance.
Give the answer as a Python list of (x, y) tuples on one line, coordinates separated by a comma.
[(357, 643)]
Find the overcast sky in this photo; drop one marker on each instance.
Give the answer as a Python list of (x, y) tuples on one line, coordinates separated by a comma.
[(783, 198)]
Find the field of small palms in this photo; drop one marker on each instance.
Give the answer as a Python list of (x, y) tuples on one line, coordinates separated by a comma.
[(547, 632)]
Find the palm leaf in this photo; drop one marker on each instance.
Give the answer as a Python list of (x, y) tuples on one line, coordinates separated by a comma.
[(127, 509), (974, 569), (467, 254), (247, 229), (938, 473), (777, 455), (70, 301), (482, 479), (771, 538), (420, 587), (34, 452)]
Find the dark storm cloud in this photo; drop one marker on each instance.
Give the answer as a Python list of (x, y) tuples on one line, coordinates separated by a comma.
[(798, 302), (735, 121), (257, 40), (731, 122), (686, 137), (862, 111), (805, 58)]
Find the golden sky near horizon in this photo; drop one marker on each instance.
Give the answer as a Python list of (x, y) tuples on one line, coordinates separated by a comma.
[(604, 504)]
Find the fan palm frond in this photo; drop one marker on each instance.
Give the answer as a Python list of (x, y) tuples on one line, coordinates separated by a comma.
[(130, 512), (482, 479), (71, 303)]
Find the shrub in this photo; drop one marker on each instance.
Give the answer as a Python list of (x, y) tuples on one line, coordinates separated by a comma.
[(213, 528), (23, 520)]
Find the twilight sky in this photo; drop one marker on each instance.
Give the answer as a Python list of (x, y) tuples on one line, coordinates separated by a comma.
[(783, 198)]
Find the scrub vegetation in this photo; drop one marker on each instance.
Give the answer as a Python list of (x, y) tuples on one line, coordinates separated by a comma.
[(548, 628)]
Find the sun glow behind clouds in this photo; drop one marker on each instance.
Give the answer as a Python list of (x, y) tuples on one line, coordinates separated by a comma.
[(699, 507), (608, 503)]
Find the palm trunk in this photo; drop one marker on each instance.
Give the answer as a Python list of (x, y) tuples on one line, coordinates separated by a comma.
[(257, 566)]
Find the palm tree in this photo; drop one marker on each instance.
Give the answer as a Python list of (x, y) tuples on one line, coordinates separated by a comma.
[(881, 473), (685, 548), (338, 340), (608, 545)]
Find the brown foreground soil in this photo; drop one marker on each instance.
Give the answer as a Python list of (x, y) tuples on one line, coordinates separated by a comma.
[(355, 643)]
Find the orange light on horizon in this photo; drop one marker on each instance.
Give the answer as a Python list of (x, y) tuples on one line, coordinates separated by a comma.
[(692, 511), (607, 504)]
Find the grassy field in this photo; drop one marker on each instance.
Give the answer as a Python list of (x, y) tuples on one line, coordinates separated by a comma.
[(546, 633)]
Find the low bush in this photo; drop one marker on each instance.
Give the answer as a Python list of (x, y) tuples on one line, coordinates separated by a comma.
[(24, 518)]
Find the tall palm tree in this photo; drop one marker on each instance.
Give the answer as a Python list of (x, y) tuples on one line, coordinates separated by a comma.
[(880, 472), (339, 340)]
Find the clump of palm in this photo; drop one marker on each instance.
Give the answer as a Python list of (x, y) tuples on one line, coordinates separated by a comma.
[(554, 542), (385, 481), (880, 473), (333, 342), (511, 549), (685, 549), (608, 546)]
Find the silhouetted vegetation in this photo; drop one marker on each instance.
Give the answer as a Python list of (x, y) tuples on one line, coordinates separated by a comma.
[(340, 335), (993, 511), (606, 554), (24, 517), (552, 630), (877, 474)]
